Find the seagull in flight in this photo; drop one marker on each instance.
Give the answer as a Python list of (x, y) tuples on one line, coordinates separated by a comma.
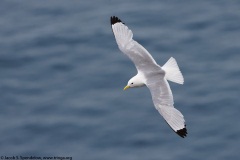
[(152, 75)]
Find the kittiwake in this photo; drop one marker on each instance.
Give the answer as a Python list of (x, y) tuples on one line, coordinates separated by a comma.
[(152, 75)]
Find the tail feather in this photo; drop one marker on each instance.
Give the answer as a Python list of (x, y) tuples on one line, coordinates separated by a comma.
[(173, 72)]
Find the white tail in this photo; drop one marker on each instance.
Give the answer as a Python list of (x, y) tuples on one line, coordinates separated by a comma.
[(173, 72)]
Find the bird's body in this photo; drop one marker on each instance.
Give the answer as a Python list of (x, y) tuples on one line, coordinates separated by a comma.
[(152, 75)]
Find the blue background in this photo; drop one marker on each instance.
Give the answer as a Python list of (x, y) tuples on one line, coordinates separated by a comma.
[(62, 75)]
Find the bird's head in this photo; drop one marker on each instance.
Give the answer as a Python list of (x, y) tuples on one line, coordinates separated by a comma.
[(136, 81)]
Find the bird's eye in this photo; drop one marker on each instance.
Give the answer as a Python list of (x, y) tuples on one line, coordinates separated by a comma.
[(132, 83)]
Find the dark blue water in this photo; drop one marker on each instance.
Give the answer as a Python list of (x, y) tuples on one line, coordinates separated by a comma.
[(62, 75)]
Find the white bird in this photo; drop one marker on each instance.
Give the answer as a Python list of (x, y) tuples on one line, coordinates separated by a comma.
[(152, 75)]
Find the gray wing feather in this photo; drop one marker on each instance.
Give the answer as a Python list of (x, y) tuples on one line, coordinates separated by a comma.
[(160, 90), (163, 101), (136, 52)]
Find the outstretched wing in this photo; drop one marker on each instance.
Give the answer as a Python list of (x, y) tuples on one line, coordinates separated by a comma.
[(163, 101), (137, 53)]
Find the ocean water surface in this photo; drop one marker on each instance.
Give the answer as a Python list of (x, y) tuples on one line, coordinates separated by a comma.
[(62, 75)]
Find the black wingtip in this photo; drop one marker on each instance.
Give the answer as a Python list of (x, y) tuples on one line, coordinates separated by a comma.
[(182, 132), (114, 20)]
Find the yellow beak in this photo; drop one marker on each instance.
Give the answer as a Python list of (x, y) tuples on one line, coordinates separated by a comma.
[(126, 87)]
